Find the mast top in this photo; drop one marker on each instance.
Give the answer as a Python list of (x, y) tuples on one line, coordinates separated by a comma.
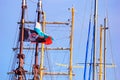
[(24, 2), (39, 5)]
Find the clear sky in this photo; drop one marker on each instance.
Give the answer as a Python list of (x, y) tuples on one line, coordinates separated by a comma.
[(10, 11)]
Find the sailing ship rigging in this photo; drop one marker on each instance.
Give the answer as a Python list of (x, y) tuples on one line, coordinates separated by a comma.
[(37, 70), (40, 43)]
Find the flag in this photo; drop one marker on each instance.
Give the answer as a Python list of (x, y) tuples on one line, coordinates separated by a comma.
[(31, 36), (48, 40), (37, 29)]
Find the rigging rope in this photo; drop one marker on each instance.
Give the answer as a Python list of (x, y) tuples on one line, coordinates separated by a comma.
[(49, 62), (15, 56), (31, 64), (83, 21), (111, 52)]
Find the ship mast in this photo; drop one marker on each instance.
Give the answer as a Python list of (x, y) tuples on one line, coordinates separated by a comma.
[(36, 66), (95, 26), (71, 45), (20, 72), (101, 60), (105, 27), (42, 45)]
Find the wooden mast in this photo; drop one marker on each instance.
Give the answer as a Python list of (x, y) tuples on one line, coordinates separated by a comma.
[(20, 72), (71, 45), (101, 60), (95, 26), (36, 66), (42, 49)]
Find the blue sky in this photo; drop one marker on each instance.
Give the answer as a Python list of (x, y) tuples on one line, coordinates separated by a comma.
[(10, 11)]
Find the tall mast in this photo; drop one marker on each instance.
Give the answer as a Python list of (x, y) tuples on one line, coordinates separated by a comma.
[(41, 14), (101, 60), (20, 72), (36, 66), (22, 29), (105, 27), (42, 50), (71, 45), (95, 26)]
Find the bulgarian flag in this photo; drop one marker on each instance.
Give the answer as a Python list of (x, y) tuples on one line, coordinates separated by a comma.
[(38, 30)]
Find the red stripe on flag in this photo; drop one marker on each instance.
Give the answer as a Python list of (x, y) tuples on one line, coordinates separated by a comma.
[(48, 41)]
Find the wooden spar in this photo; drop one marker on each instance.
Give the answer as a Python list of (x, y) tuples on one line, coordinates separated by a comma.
[(101, 60), (49, 73), (42, 49), (95, 26), (71, 45), (30, 22), (31, 48)]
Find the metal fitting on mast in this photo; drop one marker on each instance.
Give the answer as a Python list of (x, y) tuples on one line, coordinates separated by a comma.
[(39, 6)]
